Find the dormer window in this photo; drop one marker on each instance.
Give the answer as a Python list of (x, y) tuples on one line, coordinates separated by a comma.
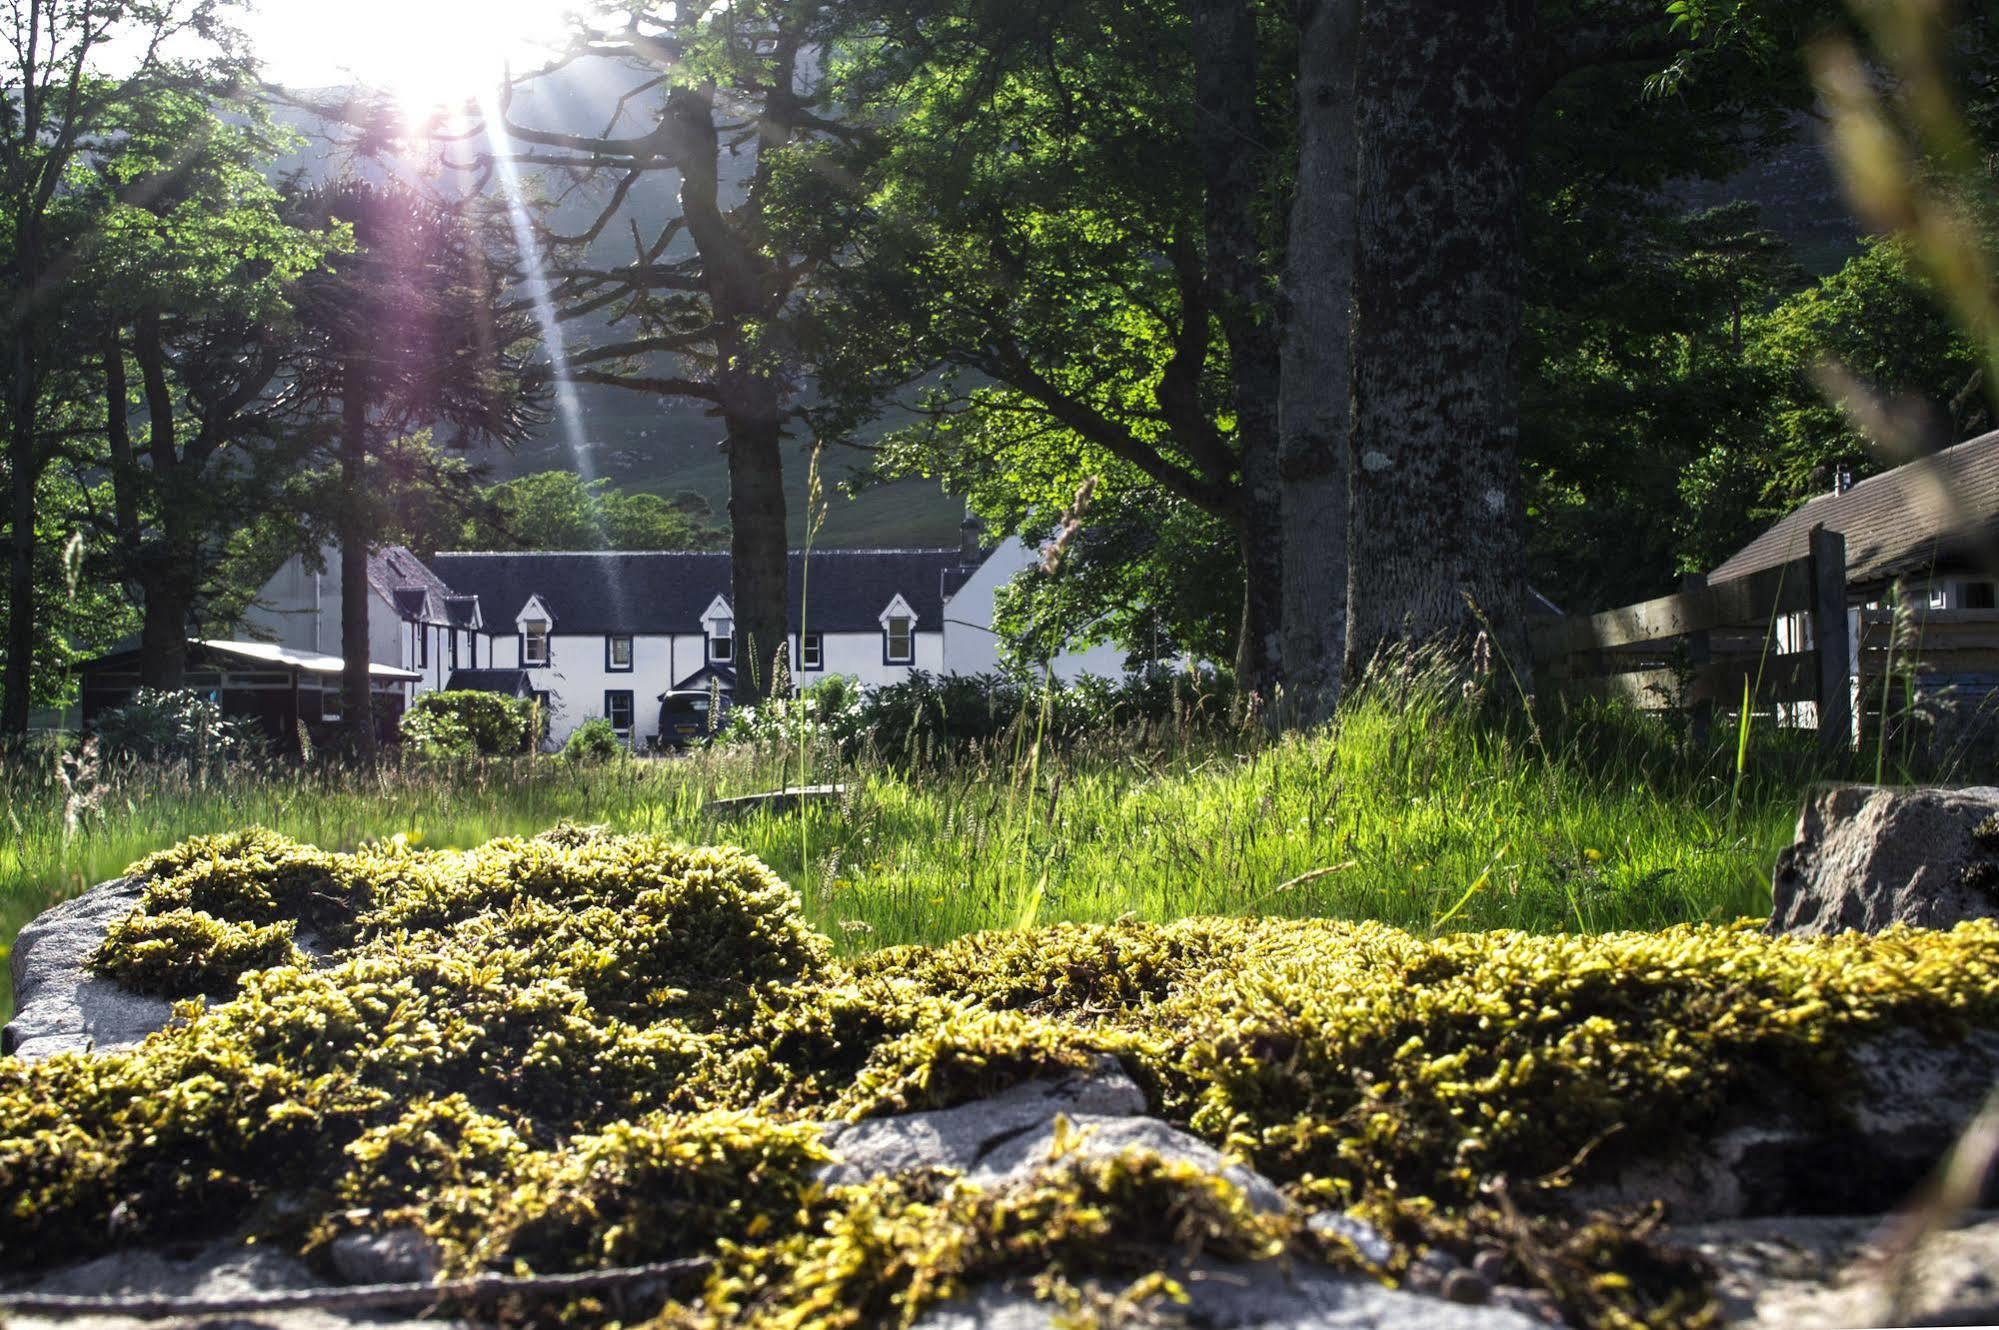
[(722, 640), (534, 642), (898, 623)]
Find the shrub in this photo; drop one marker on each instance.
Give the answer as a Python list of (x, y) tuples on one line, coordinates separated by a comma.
[(593, 741), (177, 726), (463, 722)]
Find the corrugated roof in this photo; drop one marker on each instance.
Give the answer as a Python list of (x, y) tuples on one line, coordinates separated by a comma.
[(1931, 512), (305, 662), (665, 591)]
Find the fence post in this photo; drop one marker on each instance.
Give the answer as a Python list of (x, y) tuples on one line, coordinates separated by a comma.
[(1830, 639), (1700, 655)]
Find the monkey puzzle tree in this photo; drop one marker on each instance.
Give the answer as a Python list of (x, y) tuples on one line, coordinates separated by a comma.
[(412, 327)]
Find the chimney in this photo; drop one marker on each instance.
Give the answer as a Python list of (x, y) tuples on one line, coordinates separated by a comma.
[(971, 540), (1842, 478)]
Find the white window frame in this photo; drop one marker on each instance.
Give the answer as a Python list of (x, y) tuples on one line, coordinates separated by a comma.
[(811, 651), (531, 631)]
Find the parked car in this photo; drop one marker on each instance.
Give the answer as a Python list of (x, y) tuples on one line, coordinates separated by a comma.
[(683, 716)]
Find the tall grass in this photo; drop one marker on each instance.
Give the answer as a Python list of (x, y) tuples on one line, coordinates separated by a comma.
[(1415, 807)]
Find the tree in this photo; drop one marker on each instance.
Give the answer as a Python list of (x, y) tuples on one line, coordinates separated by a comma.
[(1055, 247), (709, 291), (189, 283), (412, 327), (58, 109), (559, 510), (1315, 395)]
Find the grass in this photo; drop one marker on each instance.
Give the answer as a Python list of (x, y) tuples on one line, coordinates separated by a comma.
[(1414, 811)]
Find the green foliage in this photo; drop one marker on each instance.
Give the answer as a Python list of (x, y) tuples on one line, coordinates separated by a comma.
[(928, 716), (560, 510), (593, 741), (466, 722), (178, 727), (187, 953), (597, 1049)]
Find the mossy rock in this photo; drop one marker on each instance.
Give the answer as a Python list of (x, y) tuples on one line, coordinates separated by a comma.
[(589, 1049)]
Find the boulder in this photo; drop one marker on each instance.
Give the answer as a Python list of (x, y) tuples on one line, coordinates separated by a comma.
[(59, 1005), (1260, 1297), (1868, 856), (1827, 1273), (1911, 1097), (1009, 1136), (1005, 1139), (220, 1270)]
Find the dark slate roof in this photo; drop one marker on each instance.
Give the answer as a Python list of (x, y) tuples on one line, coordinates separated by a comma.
[(462, 611), (508, 683), (1937, 512), (657, 592), (698, 680), (402, 580)]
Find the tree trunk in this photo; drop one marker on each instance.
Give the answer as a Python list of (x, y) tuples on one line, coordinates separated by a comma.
[(1234, 176), (169, 594), (24, 470), (357, 703), (166, 572), (1315, 397), (1436, 492), (759, 553)]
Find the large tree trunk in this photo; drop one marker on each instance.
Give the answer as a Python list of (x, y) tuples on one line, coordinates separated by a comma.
[(166, 572), (356, 699), (1315, 397), (1436, 507), (24, 470), (759, 554), (1227, 135)]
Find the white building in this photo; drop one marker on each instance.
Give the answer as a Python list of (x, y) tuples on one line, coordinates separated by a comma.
[(607, 633)]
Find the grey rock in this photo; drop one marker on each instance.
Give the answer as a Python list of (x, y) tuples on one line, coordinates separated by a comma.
[(1910, 1099), (398, 1256), (1365, 1237), (1867, 857), (1012, 1134), (1259, 1297), (222, 1270), (1826, 1273), (59, 1005)]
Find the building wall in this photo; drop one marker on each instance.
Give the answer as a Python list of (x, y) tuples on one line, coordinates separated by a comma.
[(971, 646)]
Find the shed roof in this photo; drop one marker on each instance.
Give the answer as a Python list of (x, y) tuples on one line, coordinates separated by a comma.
[(1933, 512), (507, 683), (665, 591), (265, 655)]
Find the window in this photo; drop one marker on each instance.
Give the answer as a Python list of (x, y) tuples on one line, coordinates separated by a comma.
[(422, 647), (618, 654), (618, 710), (534, 642), (722, 640), (1978, 596), (452, 634), (1939, 597), (899, 644), (811, 651)]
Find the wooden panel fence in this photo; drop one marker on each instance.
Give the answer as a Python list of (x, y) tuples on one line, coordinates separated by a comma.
[(1931, 651), (1696, 650)]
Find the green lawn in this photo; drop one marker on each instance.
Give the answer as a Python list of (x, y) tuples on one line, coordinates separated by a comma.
[(1412, 814)]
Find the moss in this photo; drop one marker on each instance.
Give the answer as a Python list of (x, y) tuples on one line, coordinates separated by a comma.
[(588, 1048), (188, 953)]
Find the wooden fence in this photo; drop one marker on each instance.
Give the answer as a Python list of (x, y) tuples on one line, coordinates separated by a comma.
[(1958, 648), (1699, 649)]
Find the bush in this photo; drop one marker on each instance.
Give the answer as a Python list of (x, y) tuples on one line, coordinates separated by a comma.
[(593, 741), (935, 715), (177, 726), (464, 722)]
